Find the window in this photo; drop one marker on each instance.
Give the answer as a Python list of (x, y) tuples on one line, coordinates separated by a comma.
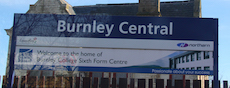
[(192, 57), (187, 58), (198, 56), (182, 59), (198, 68), (187, 68), (206, 68), (182, 68), (179, 60), (206, 55), (192, 68)]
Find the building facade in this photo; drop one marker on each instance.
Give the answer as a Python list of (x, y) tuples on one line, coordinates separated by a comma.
[(193, 60)]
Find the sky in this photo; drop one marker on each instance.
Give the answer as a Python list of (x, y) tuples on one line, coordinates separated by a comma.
[(210, 9)]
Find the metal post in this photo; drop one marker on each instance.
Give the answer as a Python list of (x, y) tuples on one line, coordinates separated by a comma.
[(215, 53), (11, 62)]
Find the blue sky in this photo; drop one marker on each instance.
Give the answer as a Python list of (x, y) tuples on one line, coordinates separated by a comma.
[(210, 9)]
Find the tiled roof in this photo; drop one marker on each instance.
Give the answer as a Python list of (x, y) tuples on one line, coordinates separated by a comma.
[(168, 9)]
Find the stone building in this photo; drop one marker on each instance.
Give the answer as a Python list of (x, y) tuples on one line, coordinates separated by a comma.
[(189, 8)]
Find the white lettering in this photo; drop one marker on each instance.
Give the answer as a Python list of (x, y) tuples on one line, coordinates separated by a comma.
[(132, 29), (171, 28), (87, 26), (109, 29), (94, 26), (150, 26), (61, 26), (72, 29), (141, 27), (155, 28), (100, 28), (121, 29), (164, 30), (78, 27)]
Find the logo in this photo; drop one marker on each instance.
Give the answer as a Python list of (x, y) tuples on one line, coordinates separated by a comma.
[(182, 45), (31, 40), (25, 55), (193, 45)]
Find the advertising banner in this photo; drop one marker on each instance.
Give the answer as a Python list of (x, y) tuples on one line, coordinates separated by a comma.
[(105, 43), (70, 59)]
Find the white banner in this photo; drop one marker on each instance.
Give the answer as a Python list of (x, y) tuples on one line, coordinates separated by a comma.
[(115, 43), (91, 57)]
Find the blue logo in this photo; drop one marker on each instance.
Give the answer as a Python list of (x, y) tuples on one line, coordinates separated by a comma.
[(25, 55), (182, 45)]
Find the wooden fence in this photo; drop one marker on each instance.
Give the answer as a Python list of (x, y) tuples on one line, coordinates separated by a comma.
[(87, 82)]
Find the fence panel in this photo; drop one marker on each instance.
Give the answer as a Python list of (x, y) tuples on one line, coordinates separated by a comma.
[(105, 82), (77, 82), (15, 85), (187, 84), (23, 81), (132, 83), (86, 82), (178, 84), (57, 82), (169, 83), (141, 83), (95, 82), (32, 81), (123, 83), (50, 82), (41, 82), (68, 82), (114, 83), (159, 83), (150, 83), (206, 84), (196, 84), (4, 82)]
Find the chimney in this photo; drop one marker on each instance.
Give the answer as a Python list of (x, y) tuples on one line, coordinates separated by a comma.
[(149, 8), (197, 8)]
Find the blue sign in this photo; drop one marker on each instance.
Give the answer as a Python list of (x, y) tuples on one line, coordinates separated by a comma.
[(113, 27), (104, 26)]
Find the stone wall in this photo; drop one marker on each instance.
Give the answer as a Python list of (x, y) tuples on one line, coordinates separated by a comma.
[(51, 7), (149, 8)]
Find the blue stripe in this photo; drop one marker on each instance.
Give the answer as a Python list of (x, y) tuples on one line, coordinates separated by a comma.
[(115, 69)]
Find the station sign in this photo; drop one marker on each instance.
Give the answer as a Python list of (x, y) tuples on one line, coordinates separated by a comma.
[(102, 43)]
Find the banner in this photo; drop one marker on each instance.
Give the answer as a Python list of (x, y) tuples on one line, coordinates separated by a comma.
[(48, 58), (115, 43)]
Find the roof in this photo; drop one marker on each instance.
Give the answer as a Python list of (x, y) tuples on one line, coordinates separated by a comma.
[(168, 9)]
